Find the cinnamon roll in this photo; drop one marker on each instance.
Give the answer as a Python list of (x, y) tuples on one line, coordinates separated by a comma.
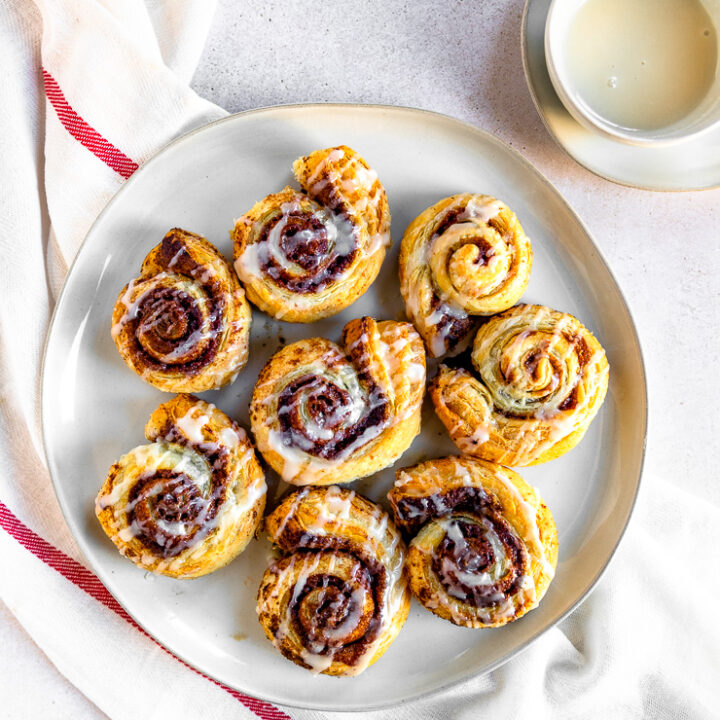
[(305, 255), (184, 324), (484, 545), (323, 414), (191, 500), (541, 379), (465, 256), (336, 597)]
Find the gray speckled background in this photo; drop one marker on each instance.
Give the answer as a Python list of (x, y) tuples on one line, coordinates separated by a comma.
[(463, 59)]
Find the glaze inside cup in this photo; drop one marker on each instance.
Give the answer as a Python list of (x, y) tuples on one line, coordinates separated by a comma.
[(641, 71)]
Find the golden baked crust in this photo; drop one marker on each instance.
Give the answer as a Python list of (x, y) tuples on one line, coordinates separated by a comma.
[(336, 597), (306, 255), (465, 256), (322, 414), (541, 379), (485, 545), (184, 324), (189, 502)]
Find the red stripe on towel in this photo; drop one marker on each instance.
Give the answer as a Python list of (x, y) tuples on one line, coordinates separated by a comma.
[(79, 575), (87, 136)]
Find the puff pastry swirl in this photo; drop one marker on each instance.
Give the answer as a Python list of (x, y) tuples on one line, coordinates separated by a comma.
[(191, 500), (184, 324), (305, 255), (336, 597), (324, 414), (541, 379), (485, 545), (464, 257)]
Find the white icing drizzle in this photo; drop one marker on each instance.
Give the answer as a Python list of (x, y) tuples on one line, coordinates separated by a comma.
[(426, 302), (187, 344), (470, 443), (440, 336), (431, 487), (176, 257), (351, 619), (156, 313), (253, 262), (557, 423), (500, 606), (528, 511), (145, 460), (355, 195), (462, 472), (231, 437), (399, 363), (298, 497), (313, 184), (335, 516), (362, 185), (131, 306), (470, 579), (415, 373), (484, 209), (338, 503), (191, 424), (536, 414), (132, 299), (299, 464)]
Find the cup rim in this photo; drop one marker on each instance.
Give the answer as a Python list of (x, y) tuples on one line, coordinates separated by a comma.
[(588, 117)]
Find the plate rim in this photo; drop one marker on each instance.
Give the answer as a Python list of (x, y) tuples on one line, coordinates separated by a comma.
[(503, 146), (539, 107)]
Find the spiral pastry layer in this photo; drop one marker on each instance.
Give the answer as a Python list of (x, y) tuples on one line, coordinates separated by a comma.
[(485, 545), (541, 379), (189, 502), (336, 597), (322, 414), (306, 255), (184, 324), (465, 256)]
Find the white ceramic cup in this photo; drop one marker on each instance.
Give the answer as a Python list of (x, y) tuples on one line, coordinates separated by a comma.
[(702, 118)]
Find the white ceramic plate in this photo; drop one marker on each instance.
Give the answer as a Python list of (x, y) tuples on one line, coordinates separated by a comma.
[(690, 165), (94, 408)]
